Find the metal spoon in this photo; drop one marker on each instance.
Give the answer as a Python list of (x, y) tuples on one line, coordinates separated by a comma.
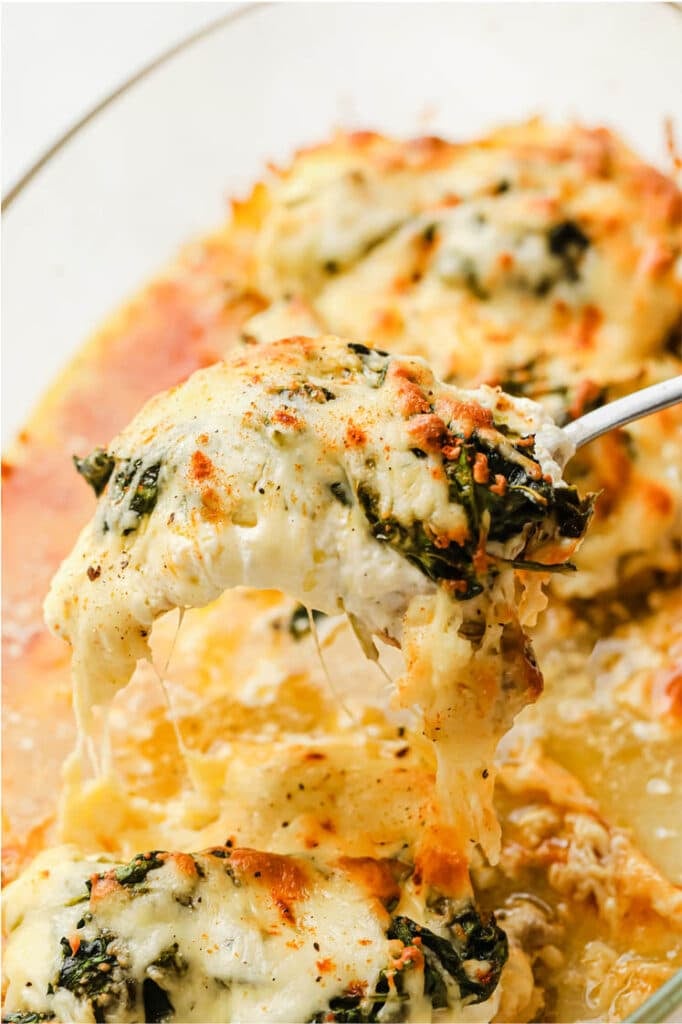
[(624, 410)]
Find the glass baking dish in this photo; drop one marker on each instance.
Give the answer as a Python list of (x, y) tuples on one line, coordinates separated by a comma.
[(153, 166)]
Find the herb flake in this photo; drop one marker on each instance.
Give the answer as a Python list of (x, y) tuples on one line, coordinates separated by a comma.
[(95, 468)]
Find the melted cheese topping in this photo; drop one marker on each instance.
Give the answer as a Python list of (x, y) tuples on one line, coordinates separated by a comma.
[(519, 238), (229, 934), (357, 461)]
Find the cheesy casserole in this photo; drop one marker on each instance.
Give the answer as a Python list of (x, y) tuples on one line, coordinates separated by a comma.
[(545, 261)]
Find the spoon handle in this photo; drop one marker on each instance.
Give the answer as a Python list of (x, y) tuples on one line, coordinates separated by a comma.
[(624, 410)]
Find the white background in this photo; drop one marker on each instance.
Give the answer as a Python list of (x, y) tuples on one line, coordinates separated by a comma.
[(59, 60), (155, 168)]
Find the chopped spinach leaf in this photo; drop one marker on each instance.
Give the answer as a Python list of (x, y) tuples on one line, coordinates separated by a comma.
[(363, 350), (342, 493), (462, 488), (469, 274), (26, 1017), (169, 961), (299, 623), (473, 941), (147, 491), (381, 237), (157, 1005), (568, 242), (429, 233), (87, 972), (139, 867), (338, 266), (435, 986), (414, 543), (95, 468), (573, 513), (352, 1008), (526, 501), (343, 1010), (315, 392), (138, 485), (124, 477), (473, 957), (520, 508), (457, 268), (374, 363)]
